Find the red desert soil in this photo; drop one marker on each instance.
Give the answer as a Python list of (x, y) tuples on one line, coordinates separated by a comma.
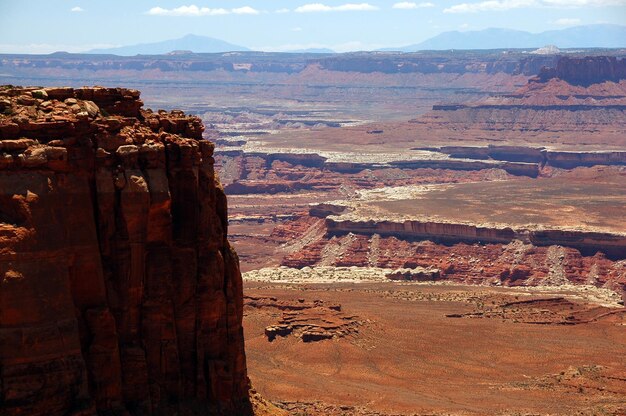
[(439, 350)]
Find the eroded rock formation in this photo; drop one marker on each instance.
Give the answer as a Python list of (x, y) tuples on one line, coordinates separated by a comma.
[(308, 321), (579, 102), (589, 242), (119, 292), (585, 71), (508, 263)]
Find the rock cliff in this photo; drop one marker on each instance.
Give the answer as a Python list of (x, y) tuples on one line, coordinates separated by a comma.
[(585, 71), (491, 260), (119, 292), (589, 242), (570, 115)]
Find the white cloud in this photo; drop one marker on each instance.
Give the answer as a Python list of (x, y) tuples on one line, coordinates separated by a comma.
[(583, 3), (245, 10), (314, 7), (296, 29), (282, 11), (566, 22), (408, 5), (501, 5), (348, 7), (490, 5), (77, 9), (194, 10)]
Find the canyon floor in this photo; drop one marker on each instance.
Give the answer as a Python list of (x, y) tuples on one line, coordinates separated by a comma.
[(406, 348), (585, 199)]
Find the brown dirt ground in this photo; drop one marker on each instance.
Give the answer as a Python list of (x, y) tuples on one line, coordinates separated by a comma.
[(410, 358)]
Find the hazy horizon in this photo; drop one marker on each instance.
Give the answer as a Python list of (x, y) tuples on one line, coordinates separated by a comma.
[(282, 25)]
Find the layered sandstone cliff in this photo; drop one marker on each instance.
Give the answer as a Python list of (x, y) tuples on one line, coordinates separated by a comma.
[(119, 292), (589, 242), (585, 71), (482, 256), (575, 97)]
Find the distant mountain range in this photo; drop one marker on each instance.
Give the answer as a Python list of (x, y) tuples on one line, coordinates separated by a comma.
[(591, 36), (192, 43), (188, 44)]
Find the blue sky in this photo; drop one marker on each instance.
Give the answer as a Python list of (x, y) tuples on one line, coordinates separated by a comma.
[(43, 26)]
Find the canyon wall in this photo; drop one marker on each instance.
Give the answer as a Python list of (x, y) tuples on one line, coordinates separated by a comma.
[(256, 172), (119, 292), (538, 155), (585, 71), (516, 263), (587, 242), (432, 62)]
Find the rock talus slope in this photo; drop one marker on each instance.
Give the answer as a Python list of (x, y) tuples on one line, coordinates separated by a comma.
[(119, 292)]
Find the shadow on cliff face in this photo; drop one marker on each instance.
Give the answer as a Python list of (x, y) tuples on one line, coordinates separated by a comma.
[(14, 210), (119, 291)]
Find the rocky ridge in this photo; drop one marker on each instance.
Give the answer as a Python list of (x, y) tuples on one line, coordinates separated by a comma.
[(307, 321), (119, 292), (550, 106), (526, 126), (585, 71), (261, 62), (613, 244), (377, 256)]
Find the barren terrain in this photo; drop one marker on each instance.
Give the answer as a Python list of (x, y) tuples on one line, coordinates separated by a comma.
[(437, 233), (591, 199), (441, 350), (509, 214)]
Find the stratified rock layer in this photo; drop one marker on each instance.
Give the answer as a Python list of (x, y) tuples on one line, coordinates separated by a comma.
[(506, 263), (585, 71), (119, 292)]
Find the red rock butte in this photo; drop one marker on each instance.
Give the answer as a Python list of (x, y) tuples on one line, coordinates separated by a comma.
[(585, 71), (119, 292)]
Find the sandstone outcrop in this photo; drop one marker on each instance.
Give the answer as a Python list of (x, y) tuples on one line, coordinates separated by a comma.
[(585, 71), (501, 260), (256, 173), (119, 292), (572, 114), (588, 242), (538, 155), (550, 311), (418, 273), (308, 321)]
